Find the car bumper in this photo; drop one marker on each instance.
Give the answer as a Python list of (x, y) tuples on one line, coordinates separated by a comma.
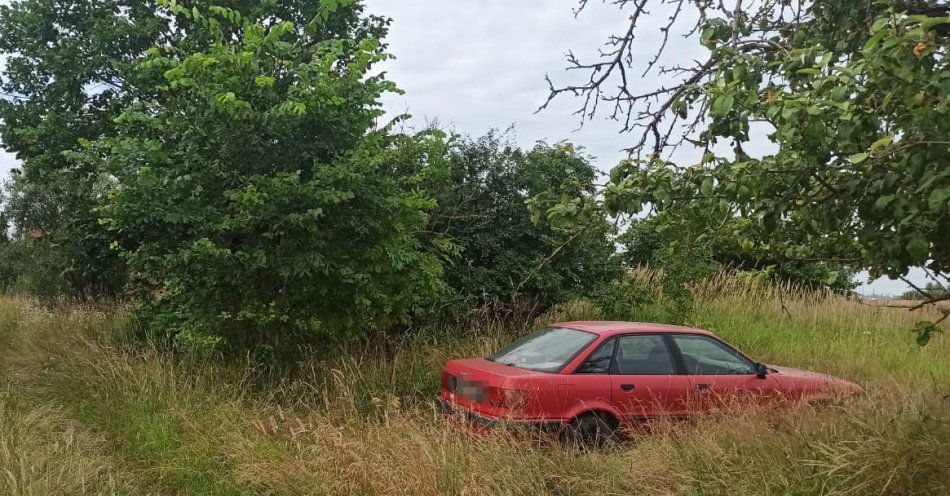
[(482, 422)]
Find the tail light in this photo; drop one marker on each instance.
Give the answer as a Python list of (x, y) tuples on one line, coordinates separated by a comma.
[(449, 382)]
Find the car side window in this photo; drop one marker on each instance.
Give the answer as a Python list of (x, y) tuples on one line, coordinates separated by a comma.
[(643, 355), (705, 356), (599, 361)]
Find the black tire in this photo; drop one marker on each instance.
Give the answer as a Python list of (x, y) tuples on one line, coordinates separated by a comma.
[(590, 430)]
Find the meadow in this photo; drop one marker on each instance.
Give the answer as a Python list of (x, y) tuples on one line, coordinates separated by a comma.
[(86, 410)]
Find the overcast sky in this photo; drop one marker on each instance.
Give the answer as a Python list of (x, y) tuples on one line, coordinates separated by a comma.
[(473, 66)]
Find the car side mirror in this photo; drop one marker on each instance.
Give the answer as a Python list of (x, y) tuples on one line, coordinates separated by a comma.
[(761, 370)]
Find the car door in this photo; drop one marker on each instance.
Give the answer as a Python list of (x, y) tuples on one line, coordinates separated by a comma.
[(645, 379), (589, 385), (721, 377)]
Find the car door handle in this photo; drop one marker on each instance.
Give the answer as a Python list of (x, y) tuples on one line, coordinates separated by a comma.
[(627, 387), (702, 386)]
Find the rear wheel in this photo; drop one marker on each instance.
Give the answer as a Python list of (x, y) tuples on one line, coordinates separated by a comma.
[(590, 430)]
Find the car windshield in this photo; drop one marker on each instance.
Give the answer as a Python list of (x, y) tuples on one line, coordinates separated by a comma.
[(547, 350)]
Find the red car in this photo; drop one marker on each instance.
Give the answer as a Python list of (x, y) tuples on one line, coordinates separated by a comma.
[(586, 380)]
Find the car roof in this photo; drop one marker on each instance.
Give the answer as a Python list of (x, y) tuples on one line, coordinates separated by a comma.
[(618, 327)]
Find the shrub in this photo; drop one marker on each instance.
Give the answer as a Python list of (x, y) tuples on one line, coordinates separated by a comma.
[(251, 197), (500, 252), (697, 238)]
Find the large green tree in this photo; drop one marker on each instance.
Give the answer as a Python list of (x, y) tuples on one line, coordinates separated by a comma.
[(250, 194), (70, 69), (854, 96), (65, 79)]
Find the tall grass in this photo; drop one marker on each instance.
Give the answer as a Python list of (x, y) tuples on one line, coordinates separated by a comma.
[(359, 419), (42, 453)]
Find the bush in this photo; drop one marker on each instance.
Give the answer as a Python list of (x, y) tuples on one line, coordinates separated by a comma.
[(55, 247), (643, 295), (623, 298), (698, 239), (251, 197), (499, 252), (33, 266)]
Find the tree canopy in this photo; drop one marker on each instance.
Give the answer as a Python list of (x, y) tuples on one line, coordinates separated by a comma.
[(71, 68), (251, 195), (225, 165), (854, 97)]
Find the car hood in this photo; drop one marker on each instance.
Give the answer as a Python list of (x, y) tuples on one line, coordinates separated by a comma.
[(814, 379)]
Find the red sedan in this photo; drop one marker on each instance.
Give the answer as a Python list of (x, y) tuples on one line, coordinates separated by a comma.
[(588, 379)]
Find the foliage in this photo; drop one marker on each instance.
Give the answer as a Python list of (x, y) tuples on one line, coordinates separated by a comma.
[(499, 252), (58, 248), (716, 237), (7, 274), (70, 69), (630, 299), (4, 223), (219, 163), (931, 290), (35, 267), (856, 95), (925, 330), (249, 196), (64, 79)]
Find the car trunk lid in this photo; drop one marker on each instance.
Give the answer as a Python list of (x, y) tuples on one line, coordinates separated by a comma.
[(481, 384)]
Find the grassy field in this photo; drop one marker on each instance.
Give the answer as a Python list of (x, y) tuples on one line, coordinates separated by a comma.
[(84, 411)]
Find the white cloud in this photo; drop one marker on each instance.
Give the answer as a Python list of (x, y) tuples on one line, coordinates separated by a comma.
[(479, 65)]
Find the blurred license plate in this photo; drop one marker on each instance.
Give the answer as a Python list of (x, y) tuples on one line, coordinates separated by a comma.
[(471, 390)]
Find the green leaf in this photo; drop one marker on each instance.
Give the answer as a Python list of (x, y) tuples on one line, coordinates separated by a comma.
[(253, 35), (938, 199), (857, 158), (879, 22), (707, 186), (722, 105), (174, 74), (264, 81), (883, 202), (886, 140), (918, 248), (925, 330), (874, 39), (887, 99)]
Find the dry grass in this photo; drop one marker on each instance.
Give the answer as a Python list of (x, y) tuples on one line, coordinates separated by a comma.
[(44, 453), (359, 421)]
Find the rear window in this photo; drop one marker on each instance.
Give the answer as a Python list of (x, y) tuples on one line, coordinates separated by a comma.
[(547, 350)]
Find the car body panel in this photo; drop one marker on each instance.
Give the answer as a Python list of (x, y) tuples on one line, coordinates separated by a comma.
[(719, 393), (644, 396), (799, 384)]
